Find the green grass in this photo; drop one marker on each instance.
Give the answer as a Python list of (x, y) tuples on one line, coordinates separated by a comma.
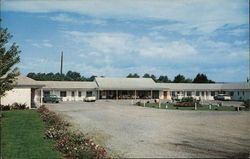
[(204, 107), (22, 135)]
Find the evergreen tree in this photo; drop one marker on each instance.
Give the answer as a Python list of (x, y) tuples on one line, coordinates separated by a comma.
[(135, 75), (163, 79), (202, 78), (146, 75), (179, 79)]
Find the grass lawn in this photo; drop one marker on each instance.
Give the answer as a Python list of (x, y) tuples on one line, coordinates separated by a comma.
[(22, 133), (204, 107)]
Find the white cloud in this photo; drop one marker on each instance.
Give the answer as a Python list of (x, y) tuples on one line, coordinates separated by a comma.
[(239, 54), (43, 43), (66, 18), (47, 45), (35, 44), (103, 42), (238, 42), (128, 44), (204, 15), (175, 49)]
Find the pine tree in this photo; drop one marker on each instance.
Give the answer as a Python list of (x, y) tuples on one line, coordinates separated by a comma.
[(9, 57)]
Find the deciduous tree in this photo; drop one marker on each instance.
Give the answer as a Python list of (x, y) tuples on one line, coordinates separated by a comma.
[(9, 57)]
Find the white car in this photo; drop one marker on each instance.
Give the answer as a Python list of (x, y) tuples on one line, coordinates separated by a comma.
[(222, 97), (178, 97), (90, 99)]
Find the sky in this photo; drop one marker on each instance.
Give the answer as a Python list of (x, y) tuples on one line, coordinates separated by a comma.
[(113, 38)]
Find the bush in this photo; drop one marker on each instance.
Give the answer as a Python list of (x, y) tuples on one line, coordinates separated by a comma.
[(71, 144), (188, 99), (138, 103), (247, 103), (18, 106), (5, 107)]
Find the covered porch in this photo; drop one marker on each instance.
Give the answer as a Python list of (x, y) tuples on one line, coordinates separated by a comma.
[(128, 94)]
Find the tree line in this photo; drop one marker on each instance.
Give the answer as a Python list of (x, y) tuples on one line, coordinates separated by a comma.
[(76, 76), (200, 78), (69, 76)]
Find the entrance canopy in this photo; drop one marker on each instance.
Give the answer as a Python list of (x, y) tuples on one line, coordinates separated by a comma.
[(126, 84)]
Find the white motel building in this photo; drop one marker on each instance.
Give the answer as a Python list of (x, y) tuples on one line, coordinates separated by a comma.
[(31, 92)]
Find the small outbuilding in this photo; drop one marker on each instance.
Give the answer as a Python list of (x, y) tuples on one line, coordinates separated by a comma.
[(26, 91)]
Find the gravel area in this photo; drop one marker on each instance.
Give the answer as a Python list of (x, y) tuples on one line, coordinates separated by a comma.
[(137, 132)]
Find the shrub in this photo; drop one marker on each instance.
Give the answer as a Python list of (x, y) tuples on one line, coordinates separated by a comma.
[(188, 99), (5, 107), (138, 103), (18, 106), (247, 103)]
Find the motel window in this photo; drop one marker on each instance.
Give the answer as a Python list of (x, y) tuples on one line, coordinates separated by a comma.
[(79, 94), (197, 93), (173, 93), (72, 94), (243, 93), (189, 93), (63, 94), (46, 93), (238, 93), (231, 93), (89, 93), (213, 93)]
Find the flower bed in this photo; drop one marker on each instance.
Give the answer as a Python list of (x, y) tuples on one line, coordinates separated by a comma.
[(70, 144)]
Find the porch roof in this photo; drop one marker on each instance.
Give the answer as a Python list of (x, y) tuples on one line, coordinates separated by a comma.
[(126, 84)]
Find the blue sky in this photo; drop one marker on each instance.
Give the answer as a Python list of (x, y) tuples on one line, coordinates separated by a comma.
[(113, 38)]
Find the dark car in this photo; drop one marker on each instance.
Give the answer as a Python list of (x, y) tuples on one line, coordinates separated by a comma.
[(51, 98)]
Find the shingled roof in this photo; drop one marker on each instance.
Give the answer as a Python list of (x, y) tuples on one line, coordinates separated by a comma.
[(126, 84), (68, 85), (205, 86), (26, 81)]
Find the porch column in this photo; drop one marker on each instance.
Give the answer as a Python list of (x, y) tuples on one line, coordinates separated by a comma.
[(135, 94), (98, 94), (116, 94), (41, 103)]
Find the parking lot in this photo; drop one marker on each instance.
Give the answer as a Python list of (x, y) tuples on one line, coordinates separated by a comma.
[(133, 131)]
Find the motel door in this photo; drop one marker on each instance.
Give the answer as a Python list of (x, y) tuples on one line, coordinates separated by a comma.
[(165, 94), (32, 97)]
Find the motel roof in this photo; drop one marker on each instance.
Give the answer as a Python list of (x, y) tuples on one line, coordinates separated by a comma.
[(205, 86), (27, 82), (236, 86), (126, 84), (68, 85)]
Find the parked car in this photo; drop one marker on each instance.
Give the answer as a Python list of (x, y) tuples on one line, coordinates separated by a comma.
[(90, 99), (222, 97), (51, 98), (178, 97)]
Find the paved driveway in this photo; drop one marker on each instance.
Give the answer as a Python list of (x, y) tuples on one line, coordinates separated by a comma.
[(146, 132)]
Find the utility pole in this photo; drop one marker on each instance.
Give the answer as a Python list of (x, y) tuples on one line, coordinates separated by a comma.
[(61, 63), (249, 67)]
